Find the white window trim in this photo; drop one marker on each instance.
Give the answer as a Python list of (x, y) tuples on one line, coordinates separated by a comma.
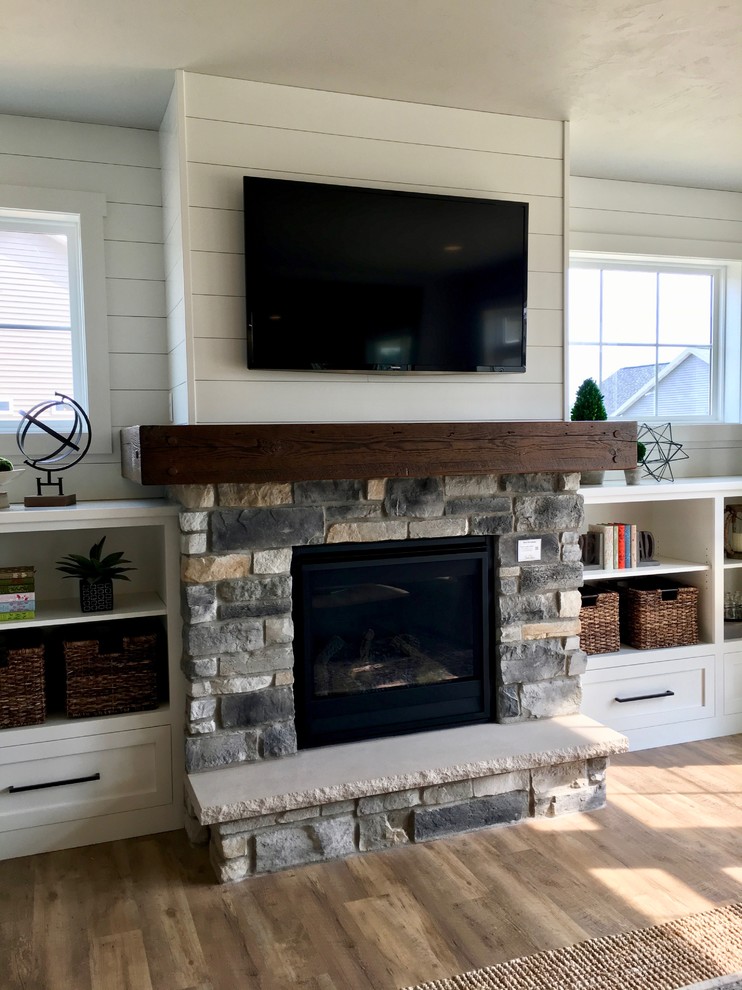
[(91, 208), (726, 373)]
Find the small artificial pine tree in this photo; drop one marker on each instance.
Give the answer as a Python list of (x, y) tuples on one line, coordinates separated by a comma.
[(589, 402)]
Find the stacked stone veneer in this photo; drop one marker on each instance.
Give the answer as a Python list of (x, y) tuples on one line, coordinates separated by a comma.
[(252, 844), (237, 542)]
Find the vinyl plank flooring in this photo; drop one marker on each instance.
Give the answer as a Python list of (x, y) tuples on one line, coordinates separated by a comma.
[(146, 914)]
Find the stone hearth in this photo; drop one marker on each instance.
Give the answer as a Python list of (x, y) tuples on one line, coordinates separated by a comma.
[(237, 542)]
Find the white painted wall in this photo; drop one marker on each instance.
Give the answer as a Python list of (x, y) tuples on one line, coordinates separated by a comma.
[(124, 165), (638, 217), (233, 128)]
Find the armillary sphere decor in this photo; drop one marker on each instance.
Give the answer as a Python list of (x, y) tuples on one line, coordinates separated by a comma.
[(67, 445)]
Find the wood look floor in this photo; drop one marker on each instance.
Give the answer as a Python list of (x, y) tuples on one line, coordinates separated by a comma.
[(145, 914)]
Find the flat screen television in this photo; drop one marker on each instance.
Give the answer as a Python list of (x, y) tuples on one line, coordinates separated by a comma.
[(344, 278)]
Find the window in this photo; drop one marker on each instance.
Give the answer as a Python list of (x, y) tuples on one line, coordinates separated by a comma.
[(649, 332), (42, 337), (53, 312)]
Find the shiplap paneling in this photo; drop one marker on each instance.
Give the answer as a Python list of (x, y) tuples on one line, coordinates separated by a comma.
[(647, 244), (61, 139), (232, 128), (216, 143), (675, 221), (132, 406), (119, 184), (177, 262), (127, 369), (651, 199), (358, 401), (129, 222), (135, 259), (220, 186), (137, 335), (223, 359), (216, 98), (124, 165), (135, 297), (219, 316), (690, 228)]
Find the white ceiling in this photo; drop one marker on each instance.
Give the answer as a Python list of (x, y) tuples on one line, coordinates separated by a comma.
[(653, 88)]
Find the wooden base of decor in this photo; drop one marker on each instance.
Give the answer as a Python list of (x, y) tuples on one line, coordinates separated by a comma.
[(33, 501)]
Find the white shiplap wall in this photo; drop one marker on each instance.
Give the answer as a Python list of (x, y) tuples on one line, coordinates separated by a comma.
[(233, 128), (643, 218), (177, 302), (124, 165)]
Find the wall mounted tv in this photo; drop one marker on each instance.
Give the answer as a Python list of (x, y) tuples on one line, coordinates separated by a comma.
[(343, 278)]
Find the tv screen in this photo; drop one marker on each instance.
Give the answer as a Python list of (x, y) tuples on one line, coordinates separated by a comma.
[(343, 278)]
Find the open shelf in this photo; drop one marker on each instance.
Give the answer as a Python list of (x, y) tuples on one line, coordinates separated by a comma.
[(58, 726), (66, 611), (666, 565)]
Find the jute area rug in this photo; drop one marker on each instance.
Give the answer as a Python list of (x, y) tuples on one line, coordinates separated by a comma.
[(698, 952)]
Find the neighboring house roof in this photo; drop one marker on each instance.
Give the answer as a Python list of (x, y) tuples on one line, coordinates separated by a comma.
[(683, 387)]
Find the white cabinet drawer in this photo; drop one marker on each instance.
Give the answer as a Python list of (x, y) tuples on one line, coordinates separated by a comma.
[(84, 776), (650, 693)]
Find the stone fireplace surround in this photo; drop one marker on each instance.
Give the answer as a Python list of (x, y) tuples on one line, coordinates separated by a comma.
[(264, 807)]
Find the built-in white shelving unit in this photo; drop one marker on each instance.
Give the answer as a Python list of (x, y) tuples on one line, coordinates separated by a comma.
[(660, 697), (138, 756)]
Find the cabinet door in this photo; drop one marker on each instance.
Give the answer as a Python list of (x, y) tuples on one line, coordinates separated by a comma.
[(66, 779), (651, 693), (733, 683)]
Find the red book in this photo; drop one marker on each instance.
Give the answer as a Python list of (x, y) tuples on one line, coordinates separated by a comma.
[(621, 527)]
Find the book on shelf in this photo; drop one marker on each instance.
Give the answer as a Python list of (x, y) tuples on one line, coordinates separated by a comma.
[(19, 597), (606, 532), (16, 587), (620, 544), (16, 616), (20, 572)]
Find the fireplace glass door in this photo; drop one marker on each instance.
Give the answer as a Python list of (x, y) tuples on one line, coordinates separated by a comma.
[(391, 637)]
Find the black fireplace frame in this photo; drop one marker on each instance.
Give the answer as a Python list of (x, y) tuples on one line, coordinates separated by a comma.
[(394, 711)]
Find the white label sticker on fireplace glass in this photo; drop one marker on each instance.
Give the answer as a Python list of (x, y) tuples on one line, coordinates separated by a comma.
[(529, 550)]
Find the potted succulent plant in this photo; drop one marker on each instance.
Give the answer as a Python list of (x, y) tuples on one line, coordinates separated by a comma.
[(7, 474), (589, 404), (96, 575), (633, 475)]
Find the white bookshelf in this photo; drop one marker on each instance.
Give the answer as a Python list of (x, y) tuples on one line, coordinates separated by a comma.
[(684, 693), (129, 766)]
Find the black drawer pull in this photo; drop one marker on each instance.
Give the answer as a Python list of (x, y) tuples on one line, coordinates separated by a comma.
[(53, 783), (646, 697)]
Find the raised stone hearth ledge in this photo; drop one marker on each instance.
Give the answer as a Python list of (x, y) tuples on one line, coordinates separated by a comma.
[(281, 452), (332, 802)]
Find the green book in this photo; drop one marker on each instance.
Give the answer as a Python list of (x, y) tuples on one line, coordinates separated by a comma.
[(15, 616), (16, 587)]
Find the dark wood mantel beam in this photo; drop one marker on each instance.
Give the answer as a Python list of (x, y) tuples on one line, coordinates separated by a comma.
[(180, 455)]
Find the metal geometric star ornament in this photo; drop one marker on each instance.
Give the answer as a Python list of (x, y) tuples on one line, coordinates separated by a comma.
[(67, 444), (662, 450)]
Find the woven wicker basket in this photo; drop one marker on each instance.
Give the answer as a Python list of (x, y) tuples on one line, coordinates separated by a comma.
[(22, 695), (599, 621), (111, 683), (659, 614)]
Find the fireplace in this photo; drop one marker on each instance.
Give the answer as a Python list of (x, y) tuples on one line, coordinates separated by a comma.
[(256, 499), (391, 637)]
